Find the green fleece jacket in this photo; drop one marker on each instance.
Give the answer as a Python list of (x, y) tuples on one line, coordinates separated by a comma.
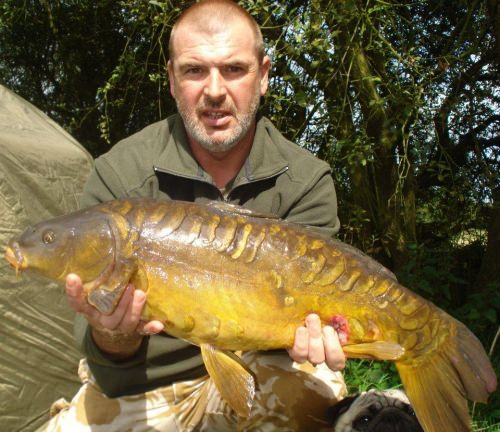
[(278, 177)]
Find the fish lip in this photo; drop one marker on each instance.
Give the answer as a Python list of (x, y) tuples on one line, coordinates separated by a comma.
[(15, 258)]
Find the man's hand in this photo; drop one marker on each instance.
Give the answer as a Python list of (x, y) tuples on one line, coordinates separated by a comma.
[(120, 333), (317, 345)]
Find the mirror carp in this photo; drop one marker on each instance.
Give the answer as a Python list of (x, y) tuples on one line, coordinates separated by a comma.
[(228, 279)]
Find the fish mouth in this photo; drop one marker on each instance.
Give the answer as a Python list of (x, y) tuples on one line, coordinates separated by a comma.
[(15, 258)]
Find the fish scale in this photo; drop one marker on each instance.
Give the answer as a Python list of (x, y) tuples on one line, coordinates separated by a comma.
[(228, 279)]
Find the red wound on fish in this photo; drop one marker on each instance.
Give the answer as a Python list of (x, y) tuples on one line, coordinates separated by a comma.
[(341, 326)]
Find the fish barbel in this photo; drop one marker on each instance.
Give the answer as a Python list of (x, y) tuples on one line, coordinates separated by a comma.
[(227, 279)]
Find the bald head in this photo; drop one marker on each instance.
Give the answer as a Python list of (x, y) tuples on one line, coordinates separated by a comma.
[(212, 17)]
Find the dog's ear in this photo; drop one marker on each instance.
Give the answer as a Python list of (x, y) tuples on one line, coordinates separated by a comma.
[(335, 411)]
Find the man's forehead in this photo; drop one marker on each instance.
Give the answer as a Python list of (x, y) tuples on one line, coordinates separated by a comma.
[(193, 39), (214, 54)]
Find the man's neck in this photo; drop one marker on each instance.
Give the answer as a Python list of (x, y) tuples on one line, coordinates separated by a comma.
[(223, 166)]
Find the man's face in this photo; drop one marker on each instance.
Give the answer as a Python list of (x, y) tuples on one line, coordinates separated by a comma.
[(217, 81)]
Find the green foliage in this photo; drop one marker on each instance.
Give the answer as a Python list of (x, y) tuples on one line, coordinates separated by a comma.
[(363, 375), (442, 275), (89, 64), (401, 99)]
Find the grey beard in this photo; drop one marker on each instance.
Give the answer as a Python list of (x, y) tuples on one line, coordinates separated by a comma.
[(195, 129)]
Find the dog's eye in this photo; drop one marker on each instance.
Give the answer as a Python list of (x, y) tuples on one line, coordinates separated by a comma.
[(410, 411), (363, 422)]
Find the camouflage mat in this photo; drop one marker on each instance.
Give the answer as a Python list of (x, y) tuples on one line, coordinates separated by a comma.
[(290, 397)]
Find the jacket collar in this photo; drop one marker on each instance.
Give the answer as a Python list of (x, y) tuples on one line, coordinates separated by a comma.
[(264, 161)]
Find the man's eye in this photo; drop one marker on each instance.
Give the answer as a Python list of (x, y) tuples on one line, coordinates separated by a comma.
[(234, 69), (193, 71)]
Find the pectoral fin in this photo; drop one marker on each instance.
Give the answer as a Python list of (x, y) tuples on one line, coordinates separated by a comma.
[(105, 299), (105, 292), (379, 350), (231, 376)]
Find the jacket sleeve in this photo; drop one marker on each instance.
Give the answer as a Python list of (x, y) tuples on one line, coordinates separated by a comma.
[(159, 361)]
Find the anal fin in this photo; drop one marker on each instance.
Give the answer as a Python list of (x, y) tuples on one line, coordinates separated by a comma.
[(378, 350), (231, 376)]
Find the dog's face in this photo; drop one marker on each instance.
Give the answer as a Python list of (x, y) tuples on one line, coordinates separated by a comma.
[(374, 411)]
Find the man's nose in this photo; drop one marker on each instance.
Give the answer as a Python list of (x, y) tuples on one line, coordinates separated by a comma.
[(215, 88)]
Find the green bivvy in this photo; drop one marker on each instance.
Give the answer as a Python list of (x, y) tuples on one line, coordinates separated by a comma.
[(42, 172)]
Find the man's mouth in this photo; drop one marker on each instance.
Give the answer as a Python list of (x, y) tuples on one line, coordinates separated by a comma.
[(215, 115), (216, 118)]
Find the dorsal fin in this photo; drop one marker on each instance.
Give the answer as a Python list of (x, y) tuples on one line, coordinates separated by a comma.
[(238, 210)]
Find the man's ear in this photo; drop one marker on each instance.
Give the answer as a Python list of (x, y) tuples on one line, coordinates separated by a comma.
[(170, 70), (265, 67)]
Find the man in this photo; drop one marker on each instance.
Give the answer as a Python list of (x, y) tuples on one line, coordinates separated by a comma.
[(216, 148)]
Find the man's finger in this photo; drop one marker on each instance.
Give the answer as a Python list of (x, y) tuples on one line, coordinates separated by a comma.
[(316, 347), (300, 347), (74, 292), (334, 356), (112, 322), (151, 327), (132, 315)]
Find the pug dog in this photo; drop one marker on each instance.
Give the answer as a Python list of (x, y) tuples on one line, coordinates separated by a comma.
[(374, 411)]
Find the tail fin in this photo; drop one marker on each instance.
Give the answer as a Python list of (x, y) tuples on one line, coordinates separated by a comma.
[(439, 384)]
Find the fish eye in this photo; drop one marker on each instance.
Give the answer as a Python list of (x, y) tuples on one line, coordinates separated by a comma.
[(48, 236)]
